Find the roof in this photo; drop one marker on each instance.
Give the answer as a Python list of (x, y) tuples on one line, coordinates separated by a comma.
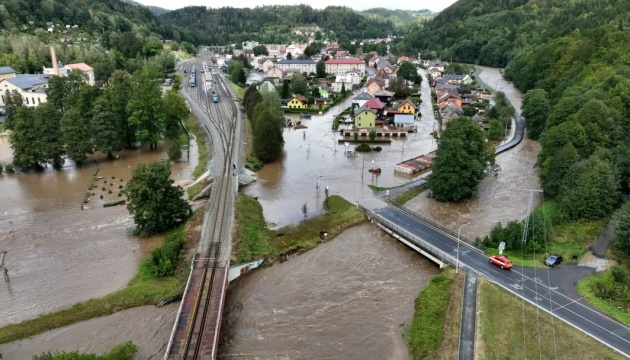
[(457, 77), (301, 98), (297, 62), (345, 61), (323, 99), (378, 82), (362, 96), (408, 102), (28, 81), (6, 70), (384, 93), (374, 103), (403, 119), (365, 108), (80, 66)]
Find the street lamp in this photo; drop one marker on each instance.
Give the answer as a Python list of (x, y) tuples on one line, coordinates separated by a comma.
[(458, 231)]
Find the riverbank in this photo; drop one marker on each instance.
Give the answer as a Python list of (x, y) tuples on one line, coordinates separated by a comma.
[(145, 288), (254, 239)]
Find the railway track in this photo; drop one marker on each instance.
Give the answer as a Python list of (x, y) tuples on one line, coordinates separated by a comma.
[(212, 263)]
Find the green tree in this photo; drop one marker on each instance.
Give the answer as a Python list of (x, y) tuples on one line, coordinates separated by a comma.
[(145, 109), (175, 112), (274, 105), (590, 190), (463, 159), (24, 140), (321, 68), (620, 225), (47, 123), (622, 167), (343, 89), (106, 135), (237, 73), (254, 99), (408, 71), (399, 88), (119, 92), (268, 140), (13, 101), (62, 91), (155, 203), (372, 135), (556, 167), (260, 50), (289, 56), (536, 110), (77, 135), (298, 84), (285, 91), (496, 130)]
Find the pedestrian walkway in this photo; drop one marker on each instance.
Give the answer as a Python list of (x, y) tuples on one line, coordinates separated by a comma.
[(469, 317)]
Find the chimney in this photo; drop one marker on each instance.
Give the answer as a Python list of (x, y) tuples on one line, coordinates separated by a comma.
[(54, 60)]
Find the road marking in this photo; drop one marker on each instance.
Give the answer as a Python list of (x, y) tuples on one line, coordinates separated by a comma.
[(569, 303)]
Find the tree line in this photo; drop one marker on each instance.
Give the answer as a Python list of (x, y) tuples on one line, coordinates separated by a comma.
[(267, 121), (79, 119)]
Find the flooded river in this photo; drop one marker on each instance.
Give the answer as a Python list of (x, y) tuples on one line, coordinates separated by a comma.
[(345, 299), (58, 254)]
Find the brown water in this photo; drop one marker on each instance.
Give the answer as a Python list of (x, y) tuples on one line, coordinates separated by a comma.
[(59, 254), (286, 185), (345, 299), (498, 199)]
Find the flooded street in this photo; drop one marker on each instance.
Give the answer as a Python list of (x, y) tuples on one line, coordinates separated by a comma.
[(285, 186), (58, 254), (499, 198), (345, 299)]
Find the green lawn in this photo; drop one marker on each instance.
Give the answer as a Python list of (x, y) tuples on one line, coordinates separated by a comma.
[(251, 230), (239, 91), (524, 332)]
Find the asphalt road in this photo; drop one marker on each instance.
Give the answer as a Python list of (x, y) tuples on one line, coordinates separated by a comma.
[(551, 289)]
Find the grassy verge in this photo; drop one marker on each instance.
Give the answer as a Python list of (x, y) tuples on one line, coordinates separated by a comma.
[(193, 125), (239, 91), (434, 329), (586, 288), (250, 241), (525, 332), (409, 194), (144, 289)]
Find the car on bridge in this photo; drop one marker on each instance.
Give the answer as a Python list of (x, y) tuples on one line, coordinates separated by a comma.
[(502, 261)]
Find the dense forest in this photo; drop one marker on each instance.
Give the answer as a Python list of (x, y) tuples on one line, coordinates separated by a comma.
[(400, 18), (274, 24)]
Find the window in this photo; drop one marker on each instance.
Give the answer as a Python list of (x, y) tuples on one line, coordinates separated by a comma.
[(25, 98), (39, 100)]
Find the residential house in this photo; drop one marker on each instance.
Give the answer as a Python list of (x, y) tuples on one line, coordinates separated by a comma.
[(403, 59), (31, 87), (407, 107), (384, 96), (248, 53), (302, 66), (376, 105), (383, 64), (435, 73), (374, 85), (446, 87), (274, 72), (390, 70), (320, 102), (298, 102), (404, 120), (374, 60), (361, 99), (458, 79), (436, 65), (264, 64), (382, 75), (64, 70), (369, 72), (365, 118), (6, 72), (449, 112), (342, 66), (295, 49), (449, 98), (276, 50)]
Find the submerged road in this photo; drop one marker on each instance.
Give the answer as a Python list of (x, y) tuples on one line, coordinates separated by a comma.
[(540, 287)]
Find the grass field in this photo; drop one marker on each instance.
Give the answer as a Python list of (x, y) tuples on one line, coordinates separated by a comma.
[(434, 329), (239, 91), (192, 123), (250, 241), (507, 329), (409, 194), (144, 289)]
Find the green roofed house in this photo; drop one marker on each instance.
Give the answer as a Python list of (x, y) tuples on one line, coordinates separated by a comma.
[(365, 118)]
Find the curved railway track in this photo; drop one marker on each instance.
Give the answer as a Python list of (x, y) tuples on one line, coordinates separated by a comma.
[(222, 117)]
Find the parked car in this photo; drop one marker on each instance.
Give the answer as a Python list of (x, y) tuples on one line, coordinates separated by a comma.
[(553, 260), (502, 261)]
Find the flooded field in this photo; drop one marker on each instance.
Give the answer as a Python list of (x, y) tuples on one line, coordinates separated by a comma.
[(345, 299), (58, 254)]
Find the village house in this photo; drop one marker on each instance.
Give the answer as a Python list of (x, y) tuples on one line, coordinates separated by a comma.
[(404, 120), (373, 86), (274, 72), (361, 99), (386, 97), (297, 102), (382, 75), (435, 74), (376, 105), (320, 102), (32, 88), (436, 65), (449, 97), (301, 66), (6, 72), (403, 59), (64, 70), (365, 118), (383, 64), (342, 66), (407, 107), (276, 50), (295, 50), (457, 79)]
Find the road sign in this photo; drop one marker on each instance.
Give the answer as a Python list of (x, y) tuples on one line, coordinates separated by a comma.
[(501, 247)]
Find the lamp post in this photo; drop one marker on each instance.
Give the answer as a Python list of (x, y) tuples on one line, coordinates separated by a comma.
[(458, 231)]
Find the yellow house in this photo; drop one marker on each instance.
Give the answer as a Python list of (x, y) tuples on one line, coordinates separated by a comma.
[(407, 107), (365, 118), (298, 102)]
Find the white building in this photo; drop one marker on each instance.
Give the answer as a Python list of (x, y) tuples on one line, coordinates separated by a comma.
[(64, 70), (31, 87), (342, 66), (302, 66)]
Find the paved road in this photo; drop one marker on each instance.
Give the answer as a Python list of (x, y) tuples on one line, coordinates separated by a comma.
[(547, 288)]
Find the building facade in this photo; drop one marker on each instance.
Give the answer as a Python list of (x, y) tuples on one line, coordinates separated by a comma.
[(303, 66), (342, 66)]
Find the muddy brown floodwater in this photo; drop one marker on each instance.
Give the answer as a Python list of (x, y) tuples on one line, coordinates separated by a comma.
[(58, 254), (345, 299), (498, 199)]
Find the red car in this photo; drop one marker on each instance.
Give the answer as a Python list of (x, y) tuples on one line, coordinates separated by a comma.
[(500, 260)]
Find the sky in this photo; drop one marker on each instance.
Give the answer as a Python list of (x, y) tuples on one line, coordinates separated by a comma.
[(433, 5)]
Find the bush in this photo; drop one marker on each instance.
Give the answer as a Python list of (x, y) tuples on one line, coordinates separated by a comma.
[(101, 197), (120, 186), (377, 148), (109, 192), (103, 188), (174, 152), (363, 147), (163, 260), (10, 169)]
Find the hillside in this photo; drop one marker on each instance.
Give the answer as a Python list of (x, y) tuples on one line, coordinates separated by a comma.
[(155, 10), (274, 24), (398, 17), (92, 16)]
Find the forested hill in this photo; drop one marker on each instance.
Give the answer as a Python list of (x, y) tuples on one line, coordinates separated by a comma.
[(274, 24), (91, 15), (398, 17)]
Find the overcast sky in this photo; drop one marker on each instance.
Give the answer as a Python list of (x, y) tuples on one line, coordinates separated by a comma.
[(433, 5)]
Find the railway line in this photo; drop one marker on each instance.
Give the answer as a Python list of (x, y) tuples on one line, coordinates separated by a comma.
[(196, 331)]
